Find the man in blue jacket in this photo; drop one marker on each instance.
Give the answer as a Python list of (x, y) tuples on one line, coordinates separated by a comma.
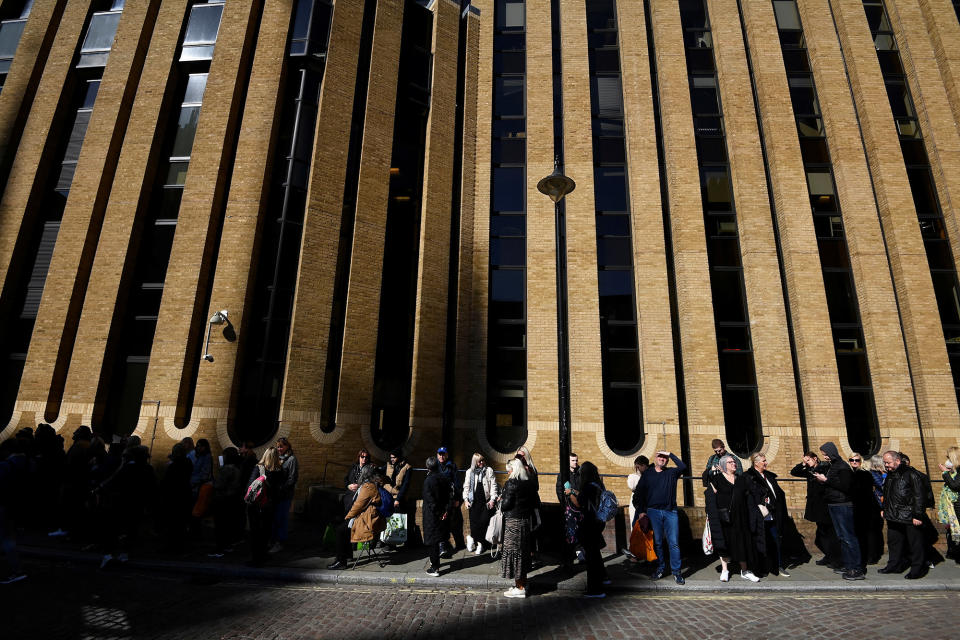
[(656, 497)]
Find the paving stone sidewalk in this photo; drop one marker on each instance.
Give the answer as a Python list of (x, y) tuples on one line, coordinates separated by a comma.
[(303, 561)]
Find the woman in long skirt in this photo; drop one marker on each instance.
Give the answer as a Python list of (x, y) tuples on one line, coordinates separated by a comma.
[(516, 505)]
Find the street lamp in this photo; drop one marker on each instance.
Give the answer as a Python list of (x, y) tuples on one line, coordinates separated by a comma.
[(556, 186)]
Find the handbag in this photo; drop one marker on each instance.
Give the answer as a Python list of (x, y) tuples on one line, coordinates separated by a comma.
[(494, 533), (204, 499), (396, 531), (724, 515), (707, 538)]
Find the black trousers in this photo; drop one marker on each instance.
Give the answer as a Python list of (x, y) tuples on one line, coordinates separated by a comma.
[(455, 520), (596, 573), (344, 546), (827, 541), (905, 543)]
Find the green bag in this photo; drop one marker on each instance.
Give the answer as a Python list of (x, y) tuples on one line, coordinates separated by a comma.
[(329, 537)]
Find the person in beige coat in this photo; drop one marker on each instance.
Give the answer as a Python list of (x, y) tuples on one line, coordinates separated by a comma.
[(363, 523)]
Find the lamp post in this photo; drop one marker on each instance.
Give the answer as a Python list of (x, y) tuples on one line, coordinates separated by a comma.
[(556, 186)]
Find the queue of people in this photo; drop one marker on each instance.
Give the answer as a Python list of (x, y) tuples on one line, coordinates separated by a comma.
[(103, 493)]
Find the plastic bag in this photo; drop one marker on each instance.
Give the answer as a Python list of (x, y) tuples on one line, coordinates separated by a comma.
[(396, 531), (707, 538)]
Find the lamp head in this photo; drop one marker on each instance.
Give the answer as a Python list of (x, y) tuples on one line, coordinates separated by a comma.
[(220, 317), (556, 185)]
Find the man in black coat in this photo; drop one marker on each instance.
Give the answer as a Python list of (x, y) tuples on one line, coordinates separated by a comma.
[(903, 509), (436, 504), (837, 489)]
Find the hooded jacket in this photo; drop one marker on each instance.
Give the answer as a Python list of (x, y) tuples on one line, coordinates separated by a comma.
[(837, 488)]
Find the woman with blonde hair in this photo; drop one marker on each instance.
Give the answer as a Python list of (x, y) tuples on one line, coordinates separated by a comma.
[(266, 481), (517, 504), (480, 492), (948, 506)]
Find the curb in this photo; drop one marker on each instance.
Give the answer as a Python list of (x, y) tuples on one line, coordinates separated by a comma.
[(575, 584)]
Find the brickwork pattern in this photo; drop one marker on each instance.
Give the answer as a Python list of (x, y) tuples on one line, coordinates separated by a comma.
[(246, 206), (63, 294), (932, 380), (430, 330), (24, 76), (698, 341), (310, 326), (126, 207), (362, 313), (886, 354)]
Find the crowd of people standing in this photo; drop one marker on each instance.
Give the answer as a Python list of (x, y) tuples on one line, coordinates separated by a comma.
[(103, 491)]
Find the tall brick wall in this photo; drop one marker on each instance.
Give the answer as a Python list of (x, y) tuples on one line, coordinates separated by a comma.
[(67, 369)]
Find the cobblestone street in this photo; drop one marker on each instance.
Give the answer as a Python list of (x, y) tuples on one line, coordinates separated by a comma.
[(61, 601)]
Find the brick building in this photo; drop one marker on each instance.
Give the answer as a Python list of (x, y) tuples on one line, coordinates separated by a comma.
[(320, 219)]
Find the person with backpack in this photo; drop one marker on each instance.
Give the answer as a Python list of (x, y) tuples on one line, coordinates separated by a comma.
[(656, 497), (597, 505), (365, 520), (517, 503), (261, 498)]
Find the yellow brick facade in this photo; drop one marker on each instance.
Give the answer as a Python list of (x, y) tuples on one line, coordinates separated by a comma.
[(214, 264)]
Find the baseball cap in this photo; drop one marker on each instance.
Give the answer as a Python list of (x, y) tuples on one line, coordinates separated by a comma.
[(442, 450)]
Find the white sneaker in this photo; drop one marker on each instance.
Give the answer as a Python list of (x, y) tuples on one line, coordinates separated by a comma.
[(724, 576), (479, 550), (277, 547), (748, 575), (581, 556), (434, 572), (513, 592), (470, 543)]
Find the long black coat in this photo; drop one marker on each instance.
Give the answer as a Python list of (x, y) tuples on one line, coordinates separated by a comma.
[(815, 509), (749, 491), (436, 502)]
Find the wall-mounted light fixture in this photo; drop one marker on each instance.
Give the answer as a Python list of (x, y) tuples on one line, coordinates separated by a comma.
[(218, 318)]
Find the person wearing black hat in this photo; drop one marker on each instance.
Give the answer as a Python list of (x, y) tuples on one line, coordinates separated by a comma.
[(448, 468), (837, 484)]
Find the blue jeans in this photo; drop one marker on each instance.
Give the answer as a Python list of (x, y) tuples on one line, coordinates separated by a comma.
[(665, 523), (281, 517), (842, 517)]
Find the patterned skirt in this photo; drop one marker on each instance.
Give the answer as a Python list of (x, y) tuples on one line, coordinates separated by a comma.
[(515, 556)]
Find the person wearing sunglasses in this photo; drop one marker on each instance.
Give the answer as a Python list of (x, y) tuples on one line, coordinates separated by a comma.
[(351, 481)]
